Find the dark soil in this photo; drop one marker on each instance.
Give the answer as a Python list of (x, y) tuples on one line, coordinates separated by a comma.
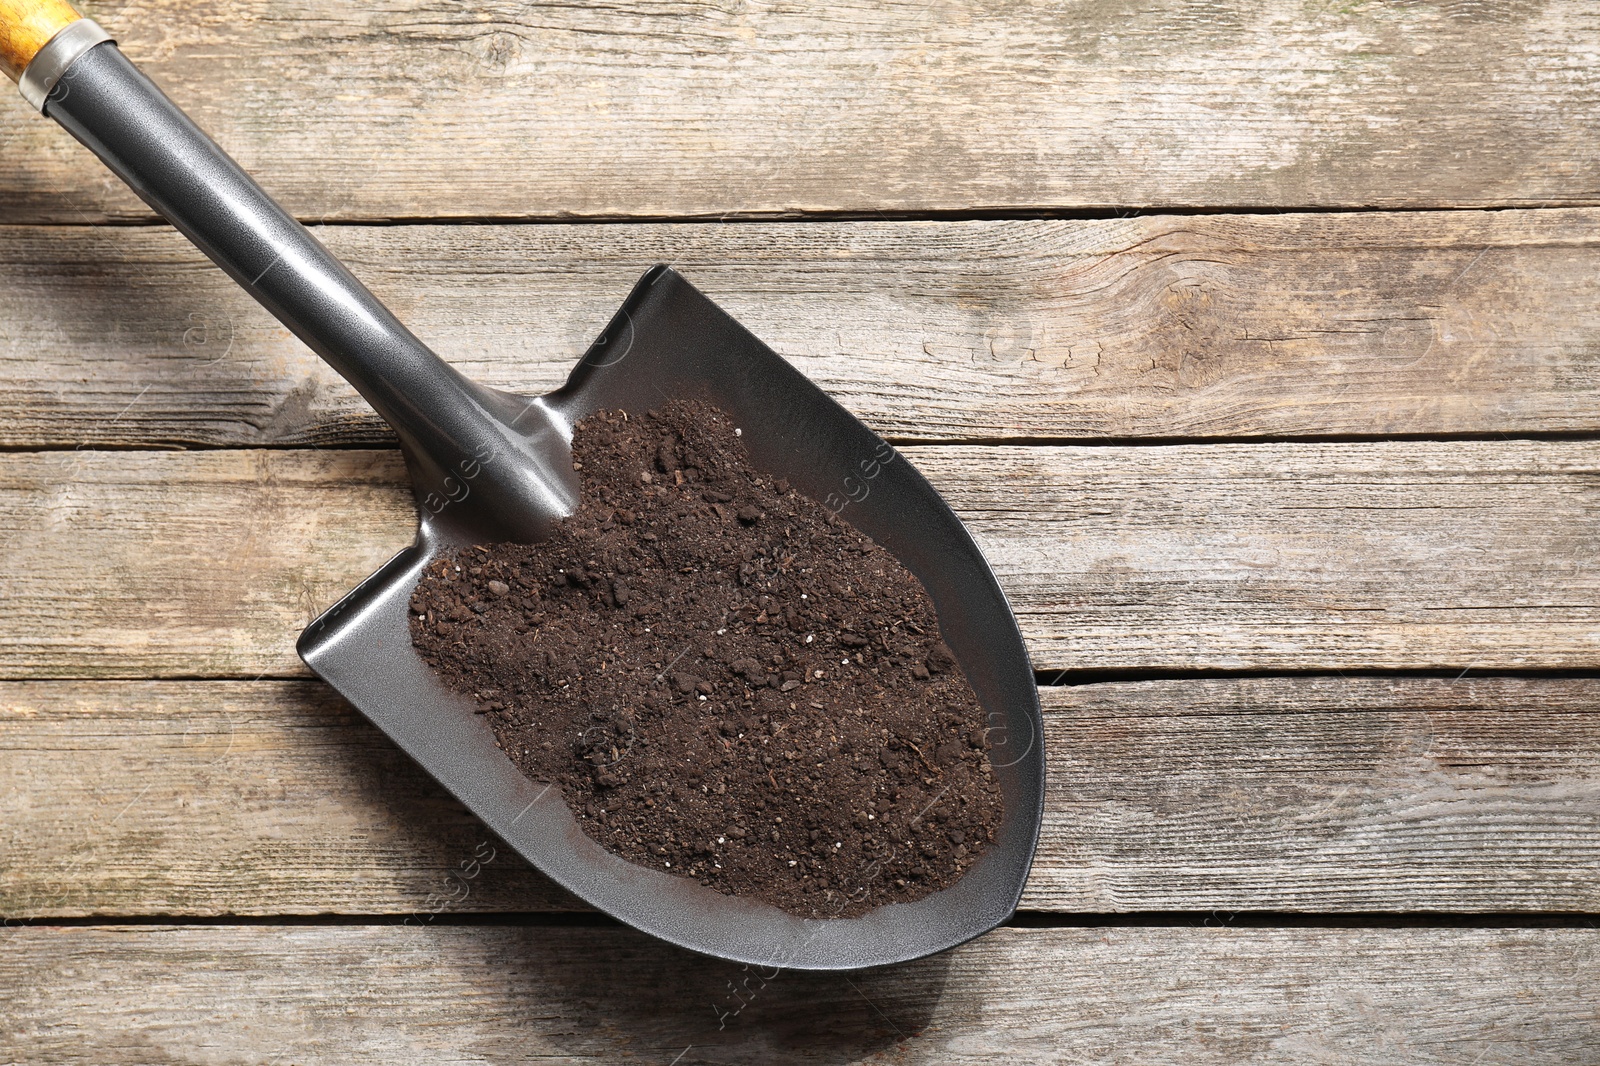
[(726, 679)]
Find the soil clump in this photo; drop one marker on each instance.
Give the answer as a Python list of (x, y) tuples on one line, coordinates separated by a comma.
[(726, 680)]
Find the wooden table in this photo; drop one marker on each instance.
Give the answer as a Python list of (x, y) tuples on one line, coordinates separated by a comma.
[(1258, 344)]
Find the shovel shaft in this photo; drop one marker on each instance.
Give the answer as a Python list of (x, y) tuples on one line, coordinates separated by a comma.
[(455, 433)]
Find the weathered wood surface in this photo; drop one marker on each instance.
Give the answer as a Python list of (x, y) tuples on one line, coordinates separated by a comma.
[(1239, 556), (199, 797), (204, 798), (417, 109), (1372, 325), (1306, 794), (489, 994)]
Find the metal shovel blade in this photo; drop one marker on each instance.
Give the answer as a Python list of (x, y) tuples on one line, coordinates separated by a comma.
[(670, 342)]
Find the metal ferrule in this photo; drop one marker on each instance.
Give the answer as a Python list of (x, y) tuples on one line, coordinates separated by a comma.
[(56, 57)]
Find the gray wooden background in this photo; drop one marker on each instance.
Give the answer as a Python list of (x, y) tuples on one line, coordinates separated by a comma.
[(1257, 342)]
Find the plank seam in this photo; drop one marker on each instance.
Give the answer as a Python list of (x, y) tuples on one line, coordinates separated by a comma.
[(1044, 679), (1521, 436), (1029, 919), (995, 214)]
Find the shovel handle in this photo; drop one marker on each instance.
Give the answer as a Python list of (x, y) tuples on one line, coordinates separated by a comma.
[(449, 428), (26, 26)]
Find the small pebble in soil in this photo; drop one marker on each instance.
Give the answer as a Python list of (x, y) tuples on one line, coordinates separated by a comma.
[(727, 681)]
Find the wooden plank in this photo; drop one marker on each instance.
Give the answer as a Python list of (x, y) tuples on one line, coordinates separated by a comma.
[(1324, 556), (1302, 556), (1396, 997), (198, 564), (207, 798), (692, 108), (1365, 324), (1321, 795)]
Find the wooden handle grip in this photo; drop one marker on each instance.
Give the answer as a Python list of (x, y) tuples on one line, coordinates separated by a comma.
[(27, 26)]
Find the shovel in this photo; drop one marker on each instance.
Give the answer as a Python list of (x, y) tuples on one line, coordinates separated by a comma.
[(487, 466)]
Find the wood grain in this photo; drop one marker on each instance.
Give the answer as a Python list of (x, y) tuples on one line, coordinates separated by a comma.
[(204, 794), (27, 26), (208, 798), (1321, 795), (1370, 325), (1313, 556), (692, 108), (1304, 556), (1398, 997)]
